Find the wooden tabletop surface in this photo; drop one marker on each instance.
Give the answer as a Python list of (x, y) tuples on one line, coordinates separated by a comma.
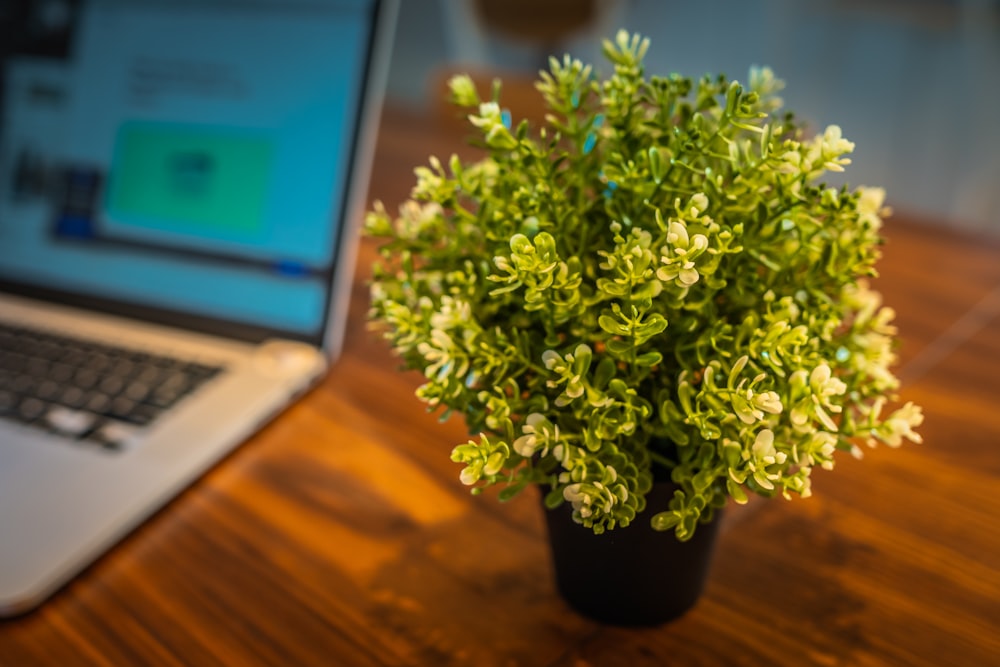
[(341, 535)]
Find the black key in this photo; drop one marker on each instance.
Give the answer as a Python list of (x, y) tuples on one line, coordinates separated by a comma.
[(8, 359), (144, 413), (138, 357), (47, 390), (30, 409), (122, 368), (149, 375), (137, 391), (60, 372), (164, 397), (36, 367), (98, 403), (111, 385), (21, 345), (73, 397), (97, 362), (121, 408), (8, 401), (85, 378), (73, 356), (23, 384), (47, 350), (22, 363), (14, 361)]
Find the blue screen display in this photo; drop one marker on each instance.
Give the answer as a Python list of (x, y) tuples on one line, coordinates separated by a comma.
[(190, 156)]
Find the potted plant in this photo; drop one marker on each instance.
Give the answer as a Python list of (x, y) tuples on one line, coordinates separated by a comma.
[(652, 286)]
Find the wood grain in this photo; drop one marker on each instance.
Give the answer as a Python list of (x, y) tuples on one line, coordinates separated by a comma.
[(340, 534)]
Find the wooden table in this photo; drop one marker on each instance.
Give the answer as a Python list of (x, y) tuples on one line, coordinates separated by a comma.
[(340, 535)]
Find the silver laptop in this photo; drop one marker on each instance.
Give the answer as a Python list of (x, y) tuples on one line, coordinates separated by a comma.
[(178, 180)]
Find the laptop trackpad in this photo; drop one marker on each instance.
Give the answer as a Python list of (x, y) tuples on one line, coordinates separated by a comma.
[(283, 358)]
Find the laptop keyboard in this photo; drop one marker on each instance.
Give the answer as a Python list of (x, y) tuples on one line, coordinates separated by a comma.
[(87, 391)]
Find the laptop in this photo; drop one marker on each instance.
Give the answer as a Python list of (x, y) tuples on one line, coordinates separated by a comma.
[(179, 180)]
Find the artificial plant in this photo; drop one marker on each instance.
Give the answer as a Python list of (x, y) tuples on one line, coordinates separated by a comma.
[(654, 279)]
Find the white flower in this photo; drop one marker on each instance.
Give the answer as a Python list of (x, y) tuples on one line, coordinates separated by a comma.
[(823, 383), (551, 359), (861, 298), (539, 433), (469, 475), (678, 235), (834, 142), (768, 401), (871, 199), (526, 445), (874, 357), (871, 207), (567, 370), (463, 90), (900, 424), (791, 159), (750, 406), (833, 146), (764, 450), (441, 355), (881, 323), (489, 111), (428, 182), (581, 501), (818, 449), (699, 204), (825, 152), (763, 454), (452, 314), (490, 119), (415, 218), (679, 254), (813, 396)]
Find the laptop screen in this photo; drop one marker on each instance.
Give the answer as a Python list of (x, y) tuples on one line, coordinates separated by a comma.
[(186, 158)]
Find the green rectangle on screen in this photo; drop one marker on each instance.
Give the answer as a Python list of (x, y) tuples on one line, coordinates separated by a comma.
[(189, 179)]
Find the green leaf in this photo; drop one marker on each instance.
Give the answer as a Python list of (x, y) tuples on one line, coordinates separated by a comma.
[(612, 326), (619, 348), (732, 97), (665, 520), (653, 325), (510, 492), (736, 491), (649, 359), (686, 393), (703, 480), (554, 498), (656, 168), (581, 359), (604, 372)]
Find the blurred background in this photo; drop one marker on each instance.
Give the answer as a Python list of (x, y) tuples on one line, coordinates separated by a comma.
[(914, 83)]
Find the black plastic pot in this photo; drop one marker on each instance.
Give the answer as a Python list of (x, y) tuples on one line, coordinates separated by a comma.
[(633, 576)]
